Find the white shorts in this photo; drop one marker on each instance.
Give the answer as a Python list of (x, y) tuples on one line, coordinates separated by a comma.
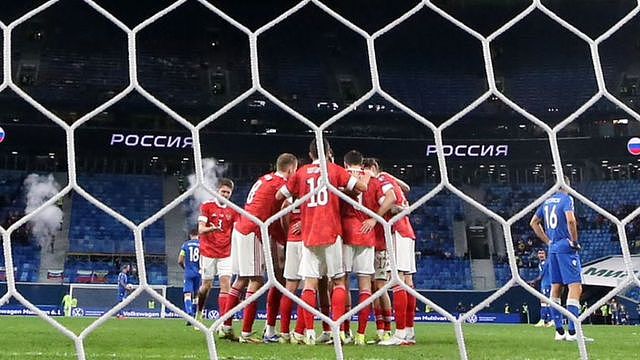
[(381, 265), (405, 254), (210, 267), (292, 260), (246, 254), (318, 261), (358, 259)]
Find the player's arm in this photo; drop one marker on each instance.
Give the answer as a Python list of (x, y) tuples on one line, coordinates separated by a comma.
[(572, 223), (203, 228), (181, 258), (403, 185), (284, 221), (536, 226), (387, 204)]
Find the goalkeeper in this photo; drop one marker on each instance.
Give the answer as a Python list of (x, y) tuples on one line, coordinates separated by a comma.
[(123, 286)]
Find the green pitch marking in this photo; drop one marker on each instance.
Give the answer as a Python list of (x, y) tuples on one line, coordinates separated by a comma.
[(31, 338)]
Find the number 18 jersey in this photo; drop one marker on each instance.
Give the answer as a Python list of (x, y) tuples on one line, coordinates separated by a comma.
[(191, 252), (553, 212), (320, 214)]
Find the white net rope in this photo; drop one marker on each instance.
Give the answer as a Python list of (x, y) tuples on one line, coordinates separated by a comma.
[(253, 37)]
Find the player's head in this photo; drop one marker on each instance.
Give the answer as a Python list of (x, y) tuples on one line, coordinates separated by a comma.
[(225, 188), (125, 268), (371, 164), (193, 233), (313, 150), (542, 255), (353, 158), (287, 164)]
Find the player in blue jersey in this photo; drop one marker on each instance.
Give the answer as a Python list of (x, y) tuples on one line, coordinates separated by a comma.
[(544, 281), (189, 260), (555, 224), (123, 286)]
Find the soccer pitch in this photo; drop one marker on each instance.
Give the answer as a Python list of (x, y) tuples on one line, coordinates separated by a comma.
[(31, 338)]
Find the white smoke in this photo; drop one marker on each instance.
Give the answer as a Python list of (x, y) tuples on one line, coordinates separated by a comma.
[(38, 189), (212, 172)]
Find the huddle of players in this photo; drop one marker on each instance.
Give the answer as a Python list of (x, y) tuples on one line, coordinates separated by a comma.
[(318, 244)]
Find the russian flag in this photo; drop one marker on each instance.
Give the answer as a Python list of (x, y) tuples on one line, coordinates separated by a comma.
[(2, 134), (634, 146)]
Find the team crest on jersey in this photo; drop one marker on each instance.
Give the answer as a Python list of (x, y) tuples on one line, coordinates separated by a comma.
[(574, 262)]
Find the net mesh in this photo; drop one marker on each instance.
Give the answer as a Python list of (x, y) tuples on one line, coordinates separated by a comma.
[(253, 38)]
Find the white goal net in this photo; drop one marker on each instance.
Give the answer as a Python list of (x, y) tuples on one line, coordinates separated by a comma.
[(145, 292)]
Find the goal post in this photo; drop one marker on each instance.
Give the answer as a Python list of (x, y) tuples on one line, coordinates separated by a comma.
[(93, 300)]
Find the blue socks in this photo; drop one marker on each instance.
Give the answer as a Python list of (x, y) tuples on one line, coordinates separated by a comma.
[(544, 314), (188, 306), (557, 316), (574, 308)]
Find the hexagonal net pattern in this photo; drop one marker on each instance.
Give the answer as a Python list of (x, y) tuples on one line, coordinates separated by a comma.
[(253, 38)]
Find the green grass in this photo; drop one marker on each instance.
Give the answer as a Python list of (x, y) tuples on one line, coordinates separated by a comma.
[(31, 338)]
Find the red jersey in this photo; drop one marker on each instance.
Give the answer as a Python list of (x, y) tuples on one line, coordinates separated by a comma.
[(321, 212), (294, 217), (353, 218), (402, 226), (262, 203), (217, 244)]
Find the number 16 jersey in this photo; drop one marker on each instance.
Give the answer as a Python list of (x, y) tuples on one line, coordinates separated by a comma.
[(553, 212)]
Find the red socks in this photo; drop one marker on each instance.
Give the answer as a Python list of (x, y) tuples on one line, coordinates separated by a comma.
[(300, 323), (338, 301), (411, 310), (363, 315), (286, 305), (309, 297), (273, 304), (233, 298), (249, 315), (400, 306), (222, 302), (379, 319)]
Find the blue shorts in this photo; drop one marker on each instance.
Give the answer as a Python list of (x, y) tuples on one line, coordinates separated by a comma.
[(565, 268), (191, 284)]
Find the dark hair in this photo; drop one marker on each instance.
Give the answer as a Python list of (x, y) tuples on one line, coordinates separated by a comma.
[(313, 149), (193, 232), (370, 162), (226, 182), (353, 157), (285, 160)]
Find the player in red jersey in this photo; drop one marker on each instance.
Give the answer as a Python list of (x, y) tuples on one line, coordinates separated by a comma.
[(246, 251), (321, 231), (359, 237), (292, 222), (404, 240), (215, 223)]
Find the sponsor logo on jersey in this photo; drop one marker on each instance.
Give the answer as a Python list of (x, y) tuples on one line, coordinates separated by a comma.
[(633, 146)]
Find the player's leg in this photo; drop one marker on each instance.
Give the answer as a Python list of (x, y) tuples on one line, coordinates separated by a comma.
[(382, 305), (196, 280), (571, 270), (364, 267), (324, 297), (207, 272), (274, 295), (291, 274), (411, 311), (403, 262), (335, 270), (310, 270), (224, 270), (556, 293)]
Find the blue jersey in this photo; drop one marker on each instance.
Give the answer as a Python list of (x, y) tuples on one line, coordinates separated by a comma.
[(545, 274), (123, 280), (191, 252), (553, 212)]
